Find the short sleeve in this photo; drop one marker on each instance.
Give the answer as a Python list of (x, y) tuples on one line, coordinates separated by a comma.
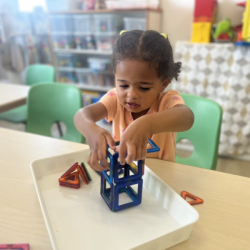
[(110, 102), (171, 99)]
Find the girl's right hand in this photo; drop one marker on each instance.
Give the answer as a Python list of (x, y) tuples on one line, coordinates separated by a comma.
[(98, 140)]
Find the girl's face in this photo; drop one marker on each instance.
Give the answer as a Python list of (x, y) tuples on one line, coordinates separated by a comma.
[(138, 85)]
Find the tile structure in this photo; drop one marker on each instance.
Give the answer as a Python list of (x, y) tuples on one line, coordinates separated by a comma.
[(220, 72), (113, 183)]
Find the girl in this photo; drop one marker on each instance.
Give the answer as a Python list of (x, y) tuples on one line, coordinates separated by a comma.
[(138, 106)]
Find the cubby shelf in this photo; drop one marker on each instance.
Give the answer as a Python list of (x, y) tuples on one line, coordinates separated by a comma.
[(83, 51), (92, 87)]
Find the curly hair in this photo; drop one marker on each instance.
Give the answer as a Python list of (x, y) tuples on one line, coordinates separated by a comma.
[(149, 46)]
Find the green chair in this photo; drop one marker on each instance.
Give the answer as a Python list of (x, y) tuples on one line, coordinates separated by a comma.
[(36, 73), (52, 103), (205, 133)]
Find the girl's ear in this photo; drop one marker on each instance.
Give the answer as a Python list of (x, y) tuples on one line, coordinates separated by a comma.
[(165, 84)]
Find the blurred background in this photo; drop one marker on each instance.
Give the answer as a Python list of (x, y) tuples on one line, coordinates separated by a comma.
[(211, 38)]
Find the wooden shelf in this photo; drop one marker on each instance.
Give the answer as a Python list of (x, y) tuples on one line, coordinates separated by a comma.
[(83, 51), (103, 11)]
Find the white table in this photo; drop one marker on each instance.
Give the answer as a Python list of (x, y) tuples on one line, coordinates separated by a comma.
[(12, 95), (224, 222)]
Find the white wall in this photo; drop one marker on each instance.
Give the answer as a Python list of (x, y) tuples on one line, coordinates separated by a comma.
[(177, 16)]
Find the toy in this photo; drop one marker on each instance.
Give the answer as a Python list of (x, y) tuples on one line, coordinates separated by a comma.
[(71, 177), (83, 174), (88, 4), (223, 31), (201, 32), (204, 16), (243, 30), (67, 77), (205, 9), (246, 23), (15, 246), (71, 180), (196, 200), (100, 4), (86, 171), (123, 183), (84, 41), (64, 41)]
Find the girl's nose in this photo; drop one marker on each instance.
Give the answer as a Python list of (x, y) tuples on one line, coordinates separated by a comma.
[(132, 93)]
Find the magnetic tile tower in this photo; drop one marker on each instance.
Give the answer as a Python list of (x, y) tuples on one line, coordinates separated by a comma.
[(121, 183), (204, 17)]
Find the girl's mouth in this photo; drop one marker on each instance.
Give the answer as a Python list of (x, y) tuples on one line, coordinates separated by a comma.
[(132, 105)]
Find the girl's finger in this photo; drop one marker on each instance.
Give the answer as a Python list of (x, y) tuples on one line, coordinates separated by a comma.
[(131, 154), (144, 152), (117, 149), (90, 162), (110, 141), (122, 153), (138, 155), (95, 163), (102, 157)]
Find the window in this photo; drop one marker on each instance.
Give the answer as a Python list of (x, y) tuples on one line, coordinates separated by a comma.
[(29, 5)]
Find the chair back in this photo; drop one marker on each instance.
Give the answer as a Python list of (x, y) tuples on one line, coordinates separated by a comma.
[(38, 73), (50, 103), (205, 133)]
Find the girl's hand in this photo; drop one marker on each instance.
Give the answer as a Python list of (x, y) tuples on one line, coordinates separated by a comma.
[(133, 144), (98, 140)]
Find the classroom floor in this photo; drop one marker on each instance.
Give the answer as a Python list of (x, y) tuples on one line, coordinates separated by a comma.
[(224, 164)]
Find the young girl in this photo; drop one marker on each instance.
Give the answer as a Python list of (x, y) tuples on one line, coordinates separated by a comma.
[(138, 106)]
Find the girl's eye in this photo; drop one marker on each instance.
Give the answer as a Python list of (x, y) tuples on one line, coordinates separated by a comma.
[(123, 86), (145, 89)]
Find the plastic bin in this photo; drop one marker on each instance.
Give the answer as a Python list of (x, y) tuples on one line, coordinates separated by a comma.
[(61, 23), (65, 60), (85, 41), (103, 79), (79, 62), (130, 4), (67, 75), (83, 23), (134, 23), (99, 64), (84, 76), (63, 41), (108, 23), (62, 5), (105, 41)]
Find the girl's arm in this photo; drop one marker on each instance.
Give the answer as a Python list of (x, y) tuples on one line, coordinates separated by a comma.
[(177, 119), (135, 138), (98, 138)]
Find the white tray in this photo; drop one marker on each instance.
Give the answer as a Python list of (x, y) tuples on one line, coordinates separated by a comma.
[(80, 219)]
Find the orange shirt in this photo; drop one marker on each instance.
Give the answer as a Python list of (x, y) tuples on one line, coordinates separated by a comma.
[(121, 118)]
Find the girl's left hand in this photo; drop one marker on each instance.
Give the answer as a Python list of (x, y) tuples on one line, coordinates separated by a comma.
[(133, 143)]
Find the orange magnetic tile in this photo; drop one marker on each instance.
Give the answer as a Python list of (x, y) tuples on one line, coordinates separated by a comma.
[(196, 200), (70, 186), (70, 170), (72, 179), (83, 174)]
